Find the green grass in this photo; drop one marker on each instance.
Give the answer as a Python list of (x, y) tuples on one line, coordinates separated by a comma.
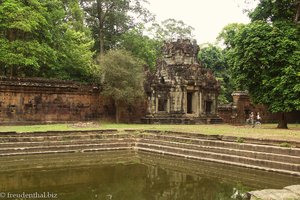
[(266, 131)]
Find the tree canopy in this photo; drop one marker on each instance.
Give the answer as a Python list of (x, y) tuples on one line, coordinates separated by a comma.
[(141, 46), (265, 56), (170, 29), (213, 57), (121, 75), (109, 19), (40, 38)]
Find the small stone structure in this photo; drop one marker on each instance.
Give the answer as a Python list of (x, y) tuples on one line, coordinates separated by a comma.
[(238, 111), (181, 90)]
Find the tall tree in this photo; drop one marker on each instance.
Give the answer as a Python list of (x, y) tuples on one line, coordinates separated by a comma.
[(108, 19), (171, 29), (265, 56), (40, 38), (121, 75), (19, 25), (141, 46), (276, 10)]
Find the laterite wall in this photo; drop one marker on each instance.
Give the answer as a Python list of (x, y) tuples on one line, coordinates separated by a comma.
[(43, 100)]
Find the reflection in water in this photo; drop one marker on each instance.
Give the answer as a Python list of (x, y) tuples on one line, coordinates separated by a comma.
[(130, 176)]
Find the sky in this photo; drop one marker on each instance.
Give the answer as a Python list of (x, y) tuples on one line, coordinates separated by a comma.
[(208, 17)]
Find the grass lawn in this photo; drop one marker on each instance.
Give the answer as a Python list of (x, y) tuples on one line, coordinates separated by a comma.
[(266, 131)]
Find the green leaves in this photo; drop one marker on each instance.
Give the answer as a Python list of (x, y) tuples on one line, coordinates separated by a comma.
[(121, 75), (275, 10), (213, 57), (141, 46), (39, 38), (265, 58), (171, 29), (109, 19)]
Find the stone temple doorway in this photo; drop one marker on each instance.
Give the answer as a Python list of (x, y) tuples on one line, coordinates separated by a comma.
[(208, 105), (162, 104), (190, 102)]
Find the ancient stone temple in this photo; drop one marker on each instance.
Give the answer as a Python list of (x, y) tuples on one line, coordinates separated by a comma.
[(181, 90)]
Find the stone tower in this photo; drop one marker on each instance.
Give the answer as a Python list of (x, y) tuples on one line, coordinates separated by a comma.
[(181, 90)]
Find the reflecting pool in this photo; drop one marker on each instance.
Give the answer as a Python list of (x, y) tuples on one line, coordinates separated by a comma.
[(127, 175)]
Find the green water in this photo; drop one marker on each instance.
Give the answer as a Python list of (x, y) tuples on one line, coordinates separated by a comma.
[(129, 176)]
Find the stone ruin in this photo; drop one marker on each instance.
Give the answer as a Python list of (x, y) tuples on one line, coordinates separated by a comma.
[(38, 100), (181, 91), (240, 108)]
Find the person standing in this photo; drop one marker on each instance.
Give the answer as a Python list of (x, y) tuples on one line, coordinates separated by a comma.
[(252, 119), (258, 118)]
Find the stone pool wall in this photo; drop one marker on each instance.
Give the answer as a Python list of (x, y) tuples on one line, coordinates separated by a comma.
[(245, 152), (44, 101)]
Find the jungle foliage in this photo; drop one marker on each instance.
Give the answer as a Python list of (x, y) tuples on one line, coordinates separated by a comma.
[(264, 55)]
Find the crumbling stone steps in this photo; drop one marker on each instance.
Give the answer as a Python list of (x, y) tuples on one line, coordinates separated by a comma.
[(184, 153), (64, 142), (62, 147), (225, 144), (58, 133), (223, 157), (61, 137), (197, 146), (236, 152), (66, 149), (224, 138), (60, 142)]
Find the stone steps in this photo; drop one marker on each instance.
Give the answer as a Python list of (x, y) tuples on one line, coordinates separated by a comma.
[(230, 151), (46, 151), (224, 144), (60, 137), (61, 147), (224, 157), (57, 133), (196, 146), (59, 142), (53, 143), (184, 155)]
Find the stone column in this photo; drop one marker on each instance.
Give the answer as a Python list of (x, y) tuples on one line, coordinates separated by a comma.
[(155, 104), (200, 103), (213, 109), (216, 104), (184, 102), (168, 104), (195, 103), (197, 94)]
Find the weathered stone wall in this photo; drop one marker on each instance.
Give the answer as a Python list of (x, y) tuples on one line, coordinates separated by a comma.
[(42, 100), (238, 111), (127, 113)]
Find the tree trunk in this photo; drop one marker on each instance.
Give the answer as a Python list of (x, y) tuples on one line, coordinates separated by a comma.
[(11, 38), (282, 122), (117, 111), (297, 16), (101, 26), (101, 39)]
